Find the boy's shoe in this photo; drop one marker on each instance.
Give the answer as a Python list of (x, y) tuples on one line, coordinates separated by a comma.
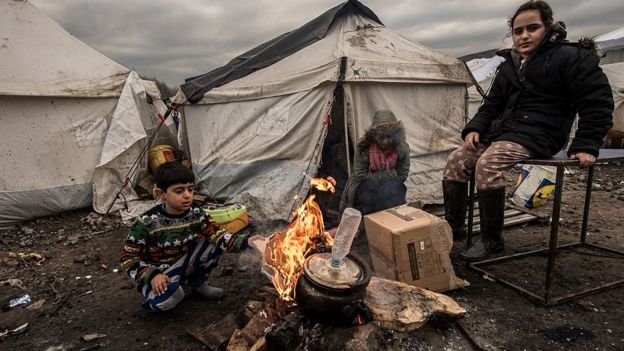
[(209, 292), (239, 242)]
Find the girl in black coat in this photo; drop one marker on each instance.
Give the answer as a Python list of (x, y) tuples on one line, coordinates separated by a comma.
[(528, 113)]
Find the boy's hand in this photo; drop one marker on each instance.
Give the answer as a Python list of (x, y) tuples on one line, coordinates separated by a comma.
[(159, 284)]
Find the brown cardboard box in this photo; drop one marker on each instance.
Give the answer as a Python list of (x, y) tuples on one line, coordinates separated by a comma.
[(412, 246)]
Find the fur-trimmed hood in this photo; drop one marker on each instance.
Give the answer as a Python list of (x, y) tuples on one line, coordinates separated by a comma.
[(395, 129), (589, 44)]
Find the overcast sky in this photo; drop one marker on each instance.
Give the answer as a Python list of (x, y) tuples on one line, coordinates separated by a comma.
[(174, 40)]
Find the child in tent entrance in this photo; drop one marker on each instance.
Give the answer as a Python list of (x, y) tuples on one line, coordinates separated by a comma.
[(380, 167), (171, 248)]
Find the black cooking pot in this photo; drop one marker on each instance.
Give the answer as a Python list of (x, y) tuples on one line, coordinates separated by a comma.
[(335, 304)]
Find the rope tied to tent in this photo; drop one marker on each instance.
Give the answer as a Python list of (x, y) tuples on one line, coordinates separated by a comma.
[(171, 108), (326, 120)]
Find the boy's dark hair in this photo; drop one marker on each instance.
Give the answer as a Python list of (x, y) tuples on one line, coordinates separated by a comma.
[(171, 173), (545, 11)]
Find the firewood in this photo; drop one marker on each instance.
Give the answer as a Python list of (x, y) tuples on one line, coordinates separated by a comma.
[(259, 345), (251, 308), (238, 342), (215, 335), (284, 335), (257, 326), (266, 292), (402, 307)]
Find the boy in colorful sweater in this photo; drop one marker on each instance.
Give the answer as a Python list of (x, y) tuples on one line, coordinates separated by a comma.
[(171, 248)]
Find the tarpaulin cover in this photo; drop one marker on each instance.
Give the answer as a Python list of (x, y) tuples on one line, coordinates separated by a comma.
[(273, 50)]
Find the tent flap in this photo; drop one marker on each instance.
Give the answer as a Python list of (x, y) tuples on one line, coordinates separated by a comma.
[(260, 149)]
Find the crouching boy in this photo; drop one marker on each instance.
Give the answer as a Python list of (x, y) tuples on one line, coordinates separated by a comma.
[(171, 248)]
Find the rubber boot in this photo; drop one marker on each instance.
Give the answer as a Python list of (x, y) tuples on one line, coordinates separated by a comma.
[(455, 206), (209, 292), (492, 213)]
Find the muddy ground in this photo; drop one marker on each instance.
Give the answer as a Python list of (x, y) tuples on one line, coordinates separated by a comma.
[(84, 294)]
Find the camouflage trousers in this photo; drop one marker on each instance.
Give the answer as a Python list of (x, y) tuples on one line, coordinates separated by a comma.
[(489, 163)]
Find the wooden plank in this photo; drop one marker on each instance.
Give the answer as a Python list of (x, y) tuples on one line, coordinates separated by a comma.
[(216, 335)]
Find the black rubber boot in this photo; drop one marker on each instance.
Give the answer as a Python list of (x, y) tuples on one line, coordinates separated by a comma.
[(455, 206), (492, 213)]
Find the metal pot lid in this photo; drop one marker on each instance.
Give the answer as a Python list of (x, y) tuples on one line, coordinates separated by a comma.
[(318, 269)]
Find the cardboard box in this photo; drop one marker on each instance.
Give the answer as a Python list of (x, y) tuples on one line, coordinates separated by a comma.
[(412, 246)]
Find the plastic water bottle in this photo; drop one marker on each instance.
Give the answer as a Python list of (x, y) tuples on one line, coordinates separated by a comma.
[(349, 224)]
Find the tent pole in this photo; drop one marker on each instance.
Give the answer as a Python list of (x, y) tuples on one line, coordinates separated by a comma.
[(346, 127), (341, 79)]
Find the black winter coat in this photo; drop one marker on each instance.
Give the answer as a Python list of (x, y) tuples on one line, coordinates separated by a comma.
[(536, 105)]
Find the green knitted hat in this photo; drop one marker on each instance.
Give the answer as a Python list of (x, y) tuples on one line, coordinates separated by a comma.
[(383, 117)]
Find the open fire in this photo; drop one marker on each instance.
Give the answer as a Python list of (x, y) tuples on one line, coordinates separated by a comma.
[(286, 251)]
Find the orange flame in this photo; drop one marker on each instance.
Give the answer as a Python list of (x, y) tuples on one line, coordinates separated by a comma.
[(323, 184), (286, 251)]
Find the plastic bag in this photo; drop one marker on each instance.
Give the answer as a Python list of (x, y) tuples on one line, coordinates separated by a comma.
[(535, 183)]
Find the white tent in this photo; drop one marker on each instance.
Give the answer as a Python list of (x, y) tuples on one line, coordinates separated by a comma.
[(612, 46), (615, 73), (57, 96), (483, 70), (257, 124)]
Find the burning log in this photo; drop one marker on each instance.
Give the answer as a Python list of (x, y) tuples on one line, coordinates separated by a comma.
[(398, 306), (284, 335)]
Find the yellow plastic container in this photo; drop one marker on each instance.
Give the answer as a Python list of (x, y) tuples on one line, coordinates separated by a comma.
[(160, 154), (232, 218)]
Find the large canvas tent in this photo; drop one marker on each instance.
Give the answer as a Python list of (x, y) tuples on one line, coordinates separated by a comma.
[(612, 46), (57, 97), (256, 125)]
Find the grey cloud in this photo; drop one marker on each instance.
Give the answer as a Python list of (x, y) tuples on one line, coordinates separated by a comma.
[(176, 40)]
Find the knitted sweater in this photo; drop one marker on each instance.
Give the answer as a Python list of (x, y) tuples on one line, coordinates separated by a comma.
[(157, 240)]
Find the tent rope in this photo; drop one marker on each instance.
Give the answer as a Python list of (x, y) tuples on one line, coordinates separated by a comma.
[(326, 121), (133, 168)]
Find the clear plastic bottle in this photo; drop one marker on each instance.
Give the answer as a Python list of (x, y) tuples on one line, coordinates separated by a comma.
[(349, 224)]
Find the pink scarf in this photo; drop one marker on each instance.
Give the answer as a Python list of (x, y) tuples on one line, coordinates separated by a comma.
[(381, 159)]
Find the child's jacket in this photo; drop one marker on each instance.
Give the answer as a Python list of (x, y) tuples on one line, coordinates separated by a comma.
[(157, 240)]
